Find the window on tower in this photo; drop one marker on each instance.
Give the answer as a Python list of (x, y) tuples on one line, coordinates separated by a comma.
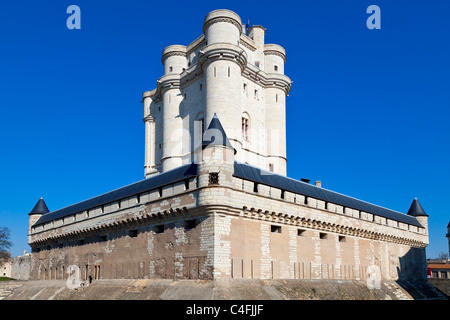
[(245, 128)]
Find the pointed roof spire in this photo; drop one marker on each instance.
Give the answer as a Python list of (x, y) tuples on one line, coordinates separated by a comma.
[(416, 209), (215, 135), (40, 207)]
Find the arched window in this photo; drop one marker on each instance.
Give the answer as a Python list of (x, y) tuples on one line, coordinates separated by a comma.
[(245, 126)]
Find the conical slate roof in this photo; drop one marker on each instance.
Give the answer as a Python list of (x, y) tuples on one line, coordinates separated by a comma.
[(215, 135), (40, 208), (416, 209)]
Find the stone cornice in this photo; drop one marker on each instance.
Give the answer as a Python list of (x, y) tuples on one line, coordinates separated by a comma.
[(168, 81), (222, 51), (173, 50), (315, 224), (248, 43), (268, 80), (234, 22), (149, 118)]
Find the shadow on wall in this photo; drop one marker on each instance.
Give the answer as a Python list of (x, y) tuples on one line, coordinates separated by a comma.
[(412, 276)]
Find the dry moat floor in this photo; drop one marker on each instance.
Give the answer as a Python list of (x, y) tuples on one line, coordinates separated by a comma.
[(224, 289)]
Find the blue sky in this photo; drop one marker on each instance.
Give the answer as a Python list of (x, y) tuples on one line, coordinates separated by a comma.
[(368, 113)]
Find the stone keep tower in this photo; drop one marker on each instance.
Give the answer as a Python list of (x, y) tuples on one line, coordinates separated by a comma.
[(224, 72)]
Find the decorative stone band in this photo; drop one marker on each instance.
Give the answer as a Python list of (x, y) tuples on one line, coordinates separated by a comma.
[(279, 81), (169, 81), (153, 94), (222, 51), (274, 49), (149, 118), (234, 22), (126, 222), (145, 218), (173, 50), (248, 43), (279, 217)]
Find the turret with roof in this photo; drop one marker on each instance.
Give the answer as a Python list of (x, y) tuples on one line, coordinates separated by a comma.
[(418, 212), (216, 157), (39, 209)]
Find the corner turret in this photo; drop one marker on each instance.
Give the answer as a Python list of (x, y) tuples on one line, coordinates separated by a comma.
[(417, 211), (39, 209)]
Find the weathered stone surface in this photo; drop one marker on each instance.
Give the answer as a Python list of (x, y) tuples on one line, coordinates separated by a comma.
[(223, 289)]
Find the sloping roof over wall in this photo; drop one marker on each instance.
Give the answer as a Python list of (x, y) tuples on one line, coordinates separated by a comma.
[(162, 179), (258, 175)]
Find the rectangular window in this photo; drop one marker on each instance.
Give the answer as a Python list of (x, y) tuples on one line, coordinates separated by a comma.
[(186, 184), (275, 68), (301, 232), (255, 187), (190, 224), (341, 239), (271, 167), (213, 178), (159, 228), (245, 128), (323, 235), (133, 233), (170, 69), (257, 64), (275, 229), (160, 192)]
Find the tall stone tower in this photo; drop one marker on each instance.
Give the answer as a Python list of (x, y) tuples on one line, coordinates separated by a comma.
[(229, 72)]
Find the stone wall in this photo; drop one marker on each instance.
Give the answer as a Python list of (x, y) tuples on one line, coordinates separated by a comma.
[(20, 267)]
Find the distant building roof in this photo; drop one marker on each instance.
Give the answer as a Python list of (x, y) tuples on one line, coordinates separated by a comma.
[(40, 207), (162, 179), (258, 175), (439, 266)]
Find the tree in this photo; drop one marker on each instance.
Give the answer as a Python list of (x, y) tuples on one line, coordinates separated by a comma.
[(443, 256), (5, 244)]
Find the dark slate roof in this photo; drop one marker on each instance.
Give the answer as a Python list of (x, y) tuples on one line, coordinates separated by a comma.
[(258, 175), (416, 209), (215, 135), (162, 179), (40, 207)]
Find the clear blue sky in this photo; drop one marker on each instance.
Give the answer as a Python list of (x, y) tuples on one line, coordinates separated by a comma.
[(368, 113)]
